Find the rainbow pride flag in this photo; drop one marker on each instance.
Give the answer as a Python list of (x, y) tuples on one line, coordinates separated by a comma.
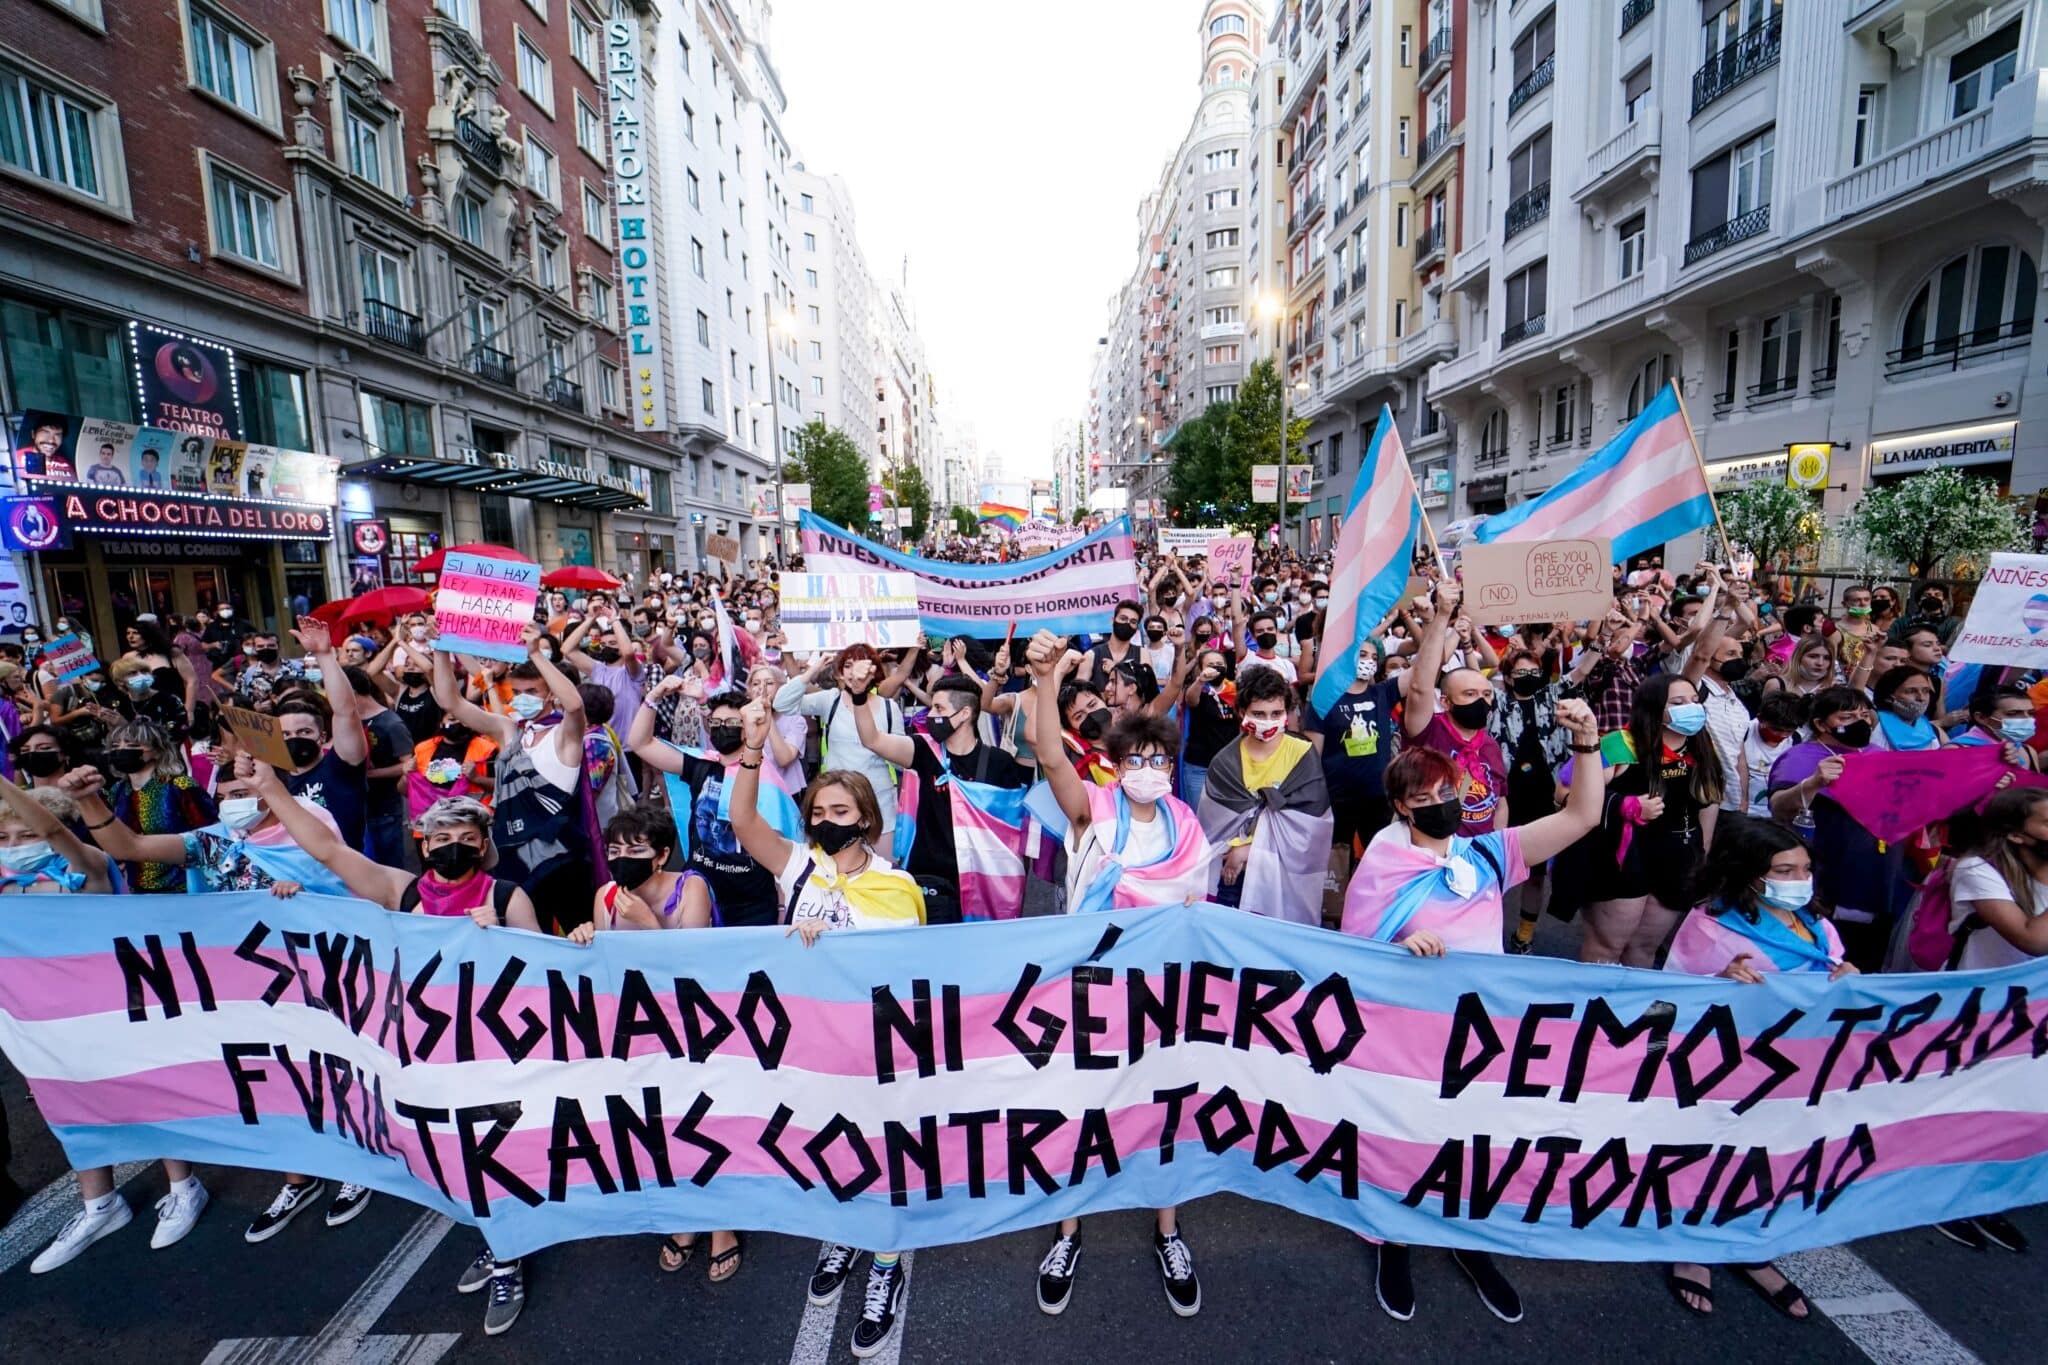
[(1003, 518)]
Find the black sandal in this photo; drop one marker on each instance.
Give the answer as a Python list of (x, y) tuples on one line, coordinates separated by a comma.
[(680, 1250), (1783, 1297), (723, 1258), (1680, 1287)]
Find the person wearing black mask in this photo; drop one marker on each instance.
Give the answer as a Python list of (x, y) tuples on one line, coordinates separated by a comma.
[(1525, 725), (1718, 662), (1123, 631), (329, 749), (1859, 880), (1931, 611), (1456, 724), (414, 698), (1088, 719), (41, 754), (155, 794)]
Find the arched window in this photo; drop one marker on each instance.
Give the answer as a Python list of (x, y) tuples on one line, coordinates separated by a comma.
[(1979, 300), (1650, 378), (1226, 23), (1493, 440)]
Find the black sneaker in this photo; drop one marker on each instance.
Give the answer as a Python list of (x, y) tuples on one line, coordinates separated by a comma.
[(835, 1263), (1177, 1273), (508, 1296), (1495, 1292), (1056, 1274), (478, 1274), (291, 1201), (1392, 1283), (878, 1313), (348, 1201), (1964, 1231), (1999, 1229)]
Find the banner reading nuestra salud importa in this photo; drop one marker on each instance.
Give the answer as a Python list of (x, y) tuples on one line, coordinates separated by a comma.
[(908, 1089)]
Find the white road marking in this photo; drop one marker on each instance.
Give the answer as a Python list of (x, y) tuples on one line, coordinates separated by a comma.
[(49, 1208), (346, 1339), (1884, 1324), (814, 1333)]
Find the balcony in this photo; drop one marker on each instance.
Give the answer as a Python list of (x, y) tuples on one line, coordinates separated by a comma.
[(1358, 274), (1427, 344), (1433, 142), (482, 148), (1536, 82), (393, 326), (1950, 352), (1473, 365), (1429, 246), (1737, 229), (1942, 152), (1338, 293), (1634, 12), (1213, 330), (1517, 332), (1526, 212), (1490, 459), (565, 394), (1775, 389), (488, 363), (1637, 144), (1754, 52), (1435, 57), (1823, 380), (1619, 298)]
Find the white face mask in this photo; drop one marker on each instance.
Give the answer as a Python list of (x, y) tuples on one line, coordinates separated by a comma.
[(1147, 784), (29, 857), (241, 813)]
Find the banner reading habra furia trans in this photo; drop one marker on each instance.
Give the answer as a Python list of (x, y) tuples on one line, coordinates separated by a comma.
[(912, 1088)]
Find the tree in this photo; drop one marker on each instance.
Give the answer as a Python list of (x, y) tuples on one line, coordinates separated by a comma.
[(1254, 434), (829, 461), (1199, 480), (1943, 523), (963, 522), (1773, 520), (913, 492)]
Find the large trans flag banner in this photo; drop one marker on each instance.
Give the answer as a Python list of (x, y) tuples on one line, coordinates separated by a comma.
[(949, 1083)]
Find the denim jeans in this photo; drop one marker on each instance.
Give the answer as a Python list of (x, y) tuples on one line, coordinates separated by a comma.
[(1192, 781)]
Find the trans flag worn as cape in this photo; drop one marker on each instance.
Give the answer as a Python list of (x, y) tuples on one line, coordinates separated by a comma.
[(1290, 839), (1099, 878), (1706, 943), (988, 836), (775, 804), (1374, 555)]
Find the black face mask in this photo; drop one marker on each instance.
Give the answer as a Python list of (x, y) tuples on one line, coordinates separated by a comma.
[(939, 727), (1267, 639), (267, 656), (1123, 630), (1471, 715), (1732, 670), (631, 872), (453, 862), (1439, 821), (303, 751), (832, 836), (1526, 684), (1167, 599), (40, 762), (1855, 734), (1155, 635), (605, 654), (413, 679), (459, 735), (1093, 724), (724, 738), (127, 760)]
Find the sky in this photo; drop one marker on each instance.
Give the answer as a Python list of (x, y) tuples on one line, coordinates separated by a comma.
[(1003, 149)]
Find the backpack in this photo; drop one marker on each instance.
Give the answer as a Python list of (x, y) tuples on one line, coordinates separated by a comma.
[(1930, 944)]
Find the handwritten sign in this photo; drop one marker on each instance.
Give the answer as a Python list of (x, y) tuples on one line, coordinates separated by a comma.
[(259, 736), (68, 657), (722, 548), (2008, 620), (1186, 543), (796, 497), (1512, 583), (822, 612), (1230, 558), (482, 605)]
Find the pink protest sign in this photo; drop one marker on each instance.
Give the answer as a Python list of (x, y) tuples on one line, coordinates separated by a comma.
[(482, 605), (68, 657), (1230, 559), (1893, 795)]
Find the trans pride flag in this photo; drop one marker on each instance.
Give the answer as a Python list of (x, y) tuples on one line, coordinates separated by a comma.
[(1002, 517), (1641, 489), (1374, 556)]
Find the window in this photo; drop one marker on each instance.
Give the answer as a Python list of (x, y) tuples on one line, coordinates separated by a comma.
[(462, 12), (1223, 277), (65, 363), (817, 350), (482, 322), (1400, 225), (381, 275), (540, 170), (1400, 318), (1226, 23), (689, 121), (1222, 355), (1219, 317), (710, 397), (244, 219), (1635, 93), (1493, 438), (1976, 299), (1221, 199), (50, 135), (1724, 26), (549, 270), (1219, 161), (355, 22), (1733, 184), (601, 304), (597, 215), (1834, 341), (807, 204), (1405, 46), (810, 241), (1527, 295), (583, 42), (607, 383), (811, 278), (1223, 237), (1564, 414), (1529, 167), (1222, 393), (815, 319), (703, 328), (535, 80), (1983, 69), (1401, 132), (469, 219), (393, 426), (725, 245), (1535, 47), (368, 144), (1752, 181), (1631, 239), (226, 61), (818, 384), (1731, 366), (1777, 354), (589, 129), (1648, 382), (1869, 118), (273, 404)]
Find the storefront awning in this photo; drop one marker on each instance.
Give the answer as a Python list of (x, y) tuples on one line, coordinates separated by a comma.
[(492, 478)]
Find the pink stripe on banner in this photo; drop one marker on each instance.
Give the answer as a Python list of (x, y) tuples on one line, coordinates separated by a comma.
[(1658, 473)]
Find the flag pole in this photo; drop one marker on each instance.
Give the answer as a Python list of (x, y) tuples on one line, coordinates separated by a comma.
[(1727, 547)]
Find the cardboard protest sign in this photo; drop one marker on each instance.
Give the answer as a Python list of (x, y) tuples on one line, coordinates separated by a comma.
[(2008, 620), (482, 606), (258, 735), (722, 548), (68, 657), (1230, 559), (1513, 583), (822, 612)]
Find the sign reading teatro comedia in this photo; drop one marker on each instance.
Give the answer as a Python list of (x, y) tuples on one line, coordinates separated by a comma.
[(627, 98)]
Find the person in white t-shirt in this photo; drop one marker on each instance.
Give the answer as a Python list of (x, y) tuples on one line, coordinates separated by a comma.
[(1260, 649), (1775, 729)]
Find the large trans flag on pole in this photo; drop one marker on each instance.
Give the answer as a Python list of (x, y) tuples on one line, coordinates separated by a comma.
[(1641, 489), (1375, 554)]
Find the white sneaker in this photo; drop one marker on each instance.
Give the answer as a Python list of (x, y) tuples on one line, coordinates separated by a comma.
[(85, 1228), (177, 1213)]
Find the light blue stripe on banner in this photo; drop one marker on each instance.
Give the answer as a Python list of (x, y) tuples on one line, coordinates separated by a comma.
[(1599, 465)]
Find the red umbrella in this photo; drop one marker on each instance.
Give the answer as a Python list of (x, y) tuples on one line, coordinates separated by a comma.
[(580, 576), (330, 612), (384, 604), (432, 563)]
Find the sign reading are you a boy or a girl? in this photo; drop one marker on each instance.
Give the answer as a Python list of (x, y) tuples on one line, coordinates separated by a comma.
[(824, 612), (1512, 583), (482, 606)]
